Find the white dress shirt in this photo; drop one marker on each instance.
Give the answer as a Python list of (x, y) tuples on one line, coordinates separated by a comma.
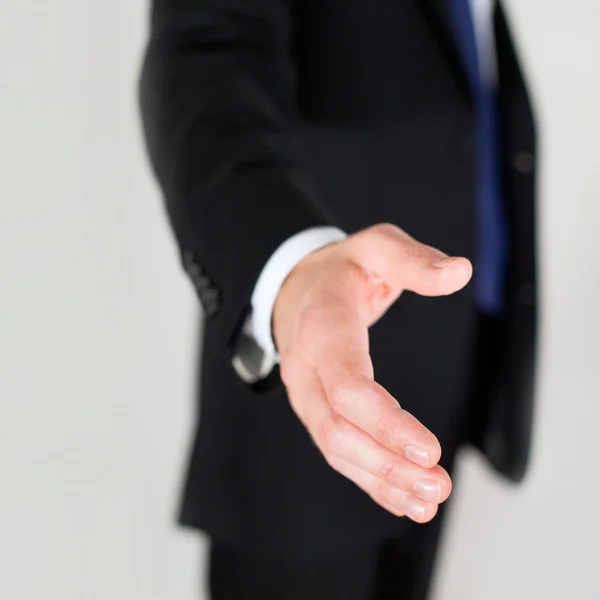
[(294, 249)]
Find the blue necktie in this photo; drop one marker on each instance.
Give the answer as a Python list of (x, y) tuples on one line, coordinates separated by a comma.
[(491, 236)]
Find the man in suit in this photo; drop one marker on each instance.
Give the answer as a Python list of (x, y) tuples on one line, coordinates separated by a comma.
[(298, 144)]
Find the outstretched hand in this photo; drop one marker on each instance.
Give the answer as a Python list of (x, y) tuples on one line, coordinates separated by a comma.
[(320, 325)]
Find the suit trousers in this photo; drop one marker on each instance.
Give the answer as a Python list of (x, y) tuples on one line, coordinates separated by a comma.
[(395, 569)]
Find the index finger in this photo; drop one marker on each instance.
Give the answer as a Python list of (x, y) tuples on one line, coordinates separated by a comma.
[(373, 409)]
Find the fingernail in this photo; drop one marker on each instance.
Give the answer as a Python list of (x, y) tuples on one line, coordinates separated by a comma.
[(428, 489), (417, 455), (414, 508), (443, 262)]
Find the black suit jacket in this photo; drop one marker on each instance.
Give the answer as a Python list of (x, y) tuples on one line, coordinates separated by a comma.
[(266, 117)]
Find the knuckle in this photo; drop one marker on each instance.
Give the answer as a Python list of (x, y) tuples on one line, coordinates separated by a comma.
[(385, 229), (328, 437), (352, 272), (341, 394), (385, 428), (418, 250), (390, 471)]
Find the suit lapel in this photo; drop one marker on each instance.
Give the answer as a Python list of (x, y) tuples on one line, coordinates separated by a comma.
[(438, 15)]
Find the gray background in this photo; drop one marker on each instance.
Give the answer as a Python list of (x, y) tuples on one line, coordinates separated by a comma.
[(98, 328)]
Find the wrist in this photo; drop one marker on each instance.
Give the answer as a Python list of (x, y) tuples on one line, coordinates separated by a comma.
[(294, 294)]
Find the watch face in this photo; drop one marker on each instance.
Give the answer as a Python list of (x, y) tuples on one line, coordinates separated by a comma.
[(250, 361)]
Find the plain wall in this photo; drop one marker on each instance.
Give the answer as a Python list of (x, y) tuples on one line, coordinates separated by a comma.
[(98, 329)]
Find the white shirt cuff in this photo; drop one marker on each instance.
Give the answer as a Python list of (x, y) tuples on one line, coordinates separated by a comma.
[(275, 272)]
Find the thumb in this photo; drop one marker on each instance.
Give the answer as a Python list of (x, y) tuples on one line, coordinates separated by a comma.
[(389, 253)]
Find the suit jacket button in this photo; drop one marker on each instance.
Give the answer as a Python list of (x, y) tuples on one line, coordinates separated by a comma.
[(191, 265), (526, 294), (524, 162), (194, 270), (188, 259), (202, 282), (210, 301)]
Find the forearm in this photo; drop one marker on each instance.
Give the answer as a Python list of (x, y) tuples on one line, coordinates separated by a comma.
[(217, 107)]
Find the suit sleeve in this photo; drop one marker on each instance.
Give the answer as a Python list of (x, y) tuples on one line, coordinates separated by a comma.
[(218, 106)]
